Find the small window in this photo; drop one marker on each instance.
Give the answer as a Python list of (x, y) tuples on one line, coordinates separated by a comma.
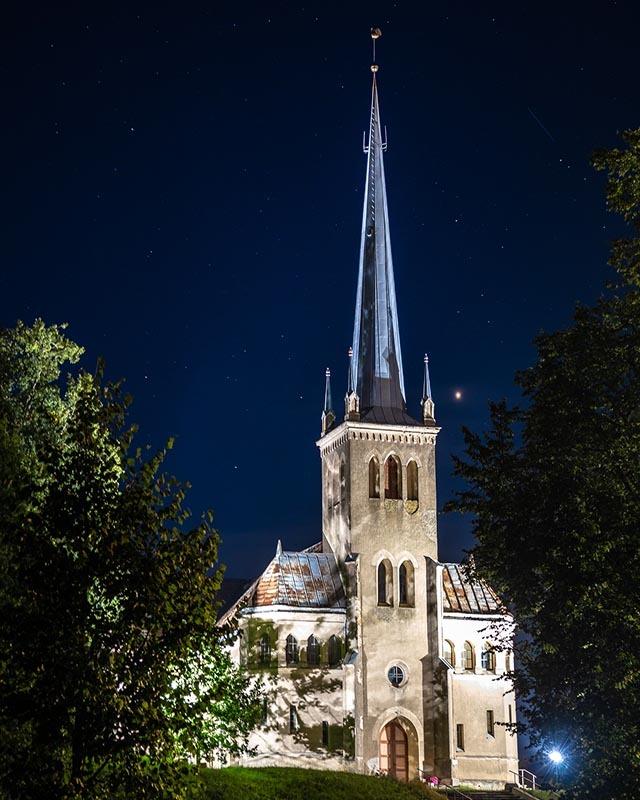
[(406, 584), (292, 651), (488, 659), (510, 715), (294, 722), (392, 479), (412, 481), (449, 652), (374, 478), (265, 649), (343, 482), (490, 723), (335, 651), (313, 651), (459, 737), (507, 662), (265, 711), (396, 675), (469, 657), (325, 733), (385, 583)]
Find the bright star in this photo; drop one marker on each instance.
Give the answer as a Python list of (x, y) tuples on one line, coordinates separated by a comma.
[(457, 394)]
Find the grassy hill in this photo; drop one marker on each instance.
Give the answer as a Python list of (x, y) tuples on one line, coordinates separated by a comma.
[(285, 783)]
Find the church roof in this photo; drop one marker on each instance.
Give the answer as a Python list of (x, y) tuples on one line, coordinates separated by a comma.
[(461, 594), (307, 579), (376, 366)]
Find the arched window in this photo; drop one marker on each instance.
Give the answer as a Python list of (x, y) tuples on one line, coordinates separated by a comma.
[(292, 651), (449, 652), (385, 583), (469, 657), (335, 651), (412, 481), (392, 479), (488, 658), (374, 478), (406, 583), (265, 649), (313, 651)]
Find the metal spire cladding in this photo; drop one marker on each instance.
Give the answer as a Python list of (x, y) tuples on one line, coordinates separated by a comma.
[(376, 366)]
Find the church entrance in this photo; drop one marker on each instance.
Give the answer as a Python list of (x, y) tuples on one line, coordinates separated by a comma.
[(394, 752)]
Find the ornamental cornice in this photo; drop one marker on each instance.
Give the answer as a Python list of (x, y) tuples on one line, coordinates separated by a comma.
[(375, 432)]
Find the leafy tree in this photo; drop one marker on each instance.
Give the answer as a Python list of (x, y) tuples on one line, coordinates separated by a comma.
[(554, 488), (112, 670)]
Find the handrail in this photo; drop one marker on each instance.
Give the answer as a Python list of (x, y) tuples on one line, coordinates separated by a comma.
[(524, 777)]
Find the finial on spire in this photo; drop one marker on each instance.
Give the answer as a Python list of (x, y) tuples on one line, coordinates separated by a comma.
[(428, 406), (279, 549), (328, 417), (376, 33)]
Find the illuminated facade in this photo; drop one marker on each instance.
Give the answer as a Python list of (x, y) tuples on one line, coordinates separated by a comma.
[(374, 653)]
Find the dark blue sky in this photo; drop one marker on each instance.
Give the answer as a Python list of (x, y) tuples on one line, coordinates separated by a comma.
[(183, 185)]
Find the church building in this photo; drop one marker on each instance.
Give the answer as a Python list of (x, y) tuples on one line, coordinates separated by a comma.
[(375, 656)]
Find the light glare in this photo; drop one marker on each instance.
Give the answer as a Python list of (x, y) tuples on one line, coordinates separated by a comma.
[(556, 757)]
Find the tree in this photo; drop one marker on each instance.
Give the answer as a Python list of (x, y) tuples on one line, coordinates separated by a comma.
[(112, 670), (554, 488)]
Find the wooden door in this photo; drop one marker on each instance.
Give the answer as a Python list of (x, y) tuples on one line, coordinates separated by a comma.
[(394, 756)]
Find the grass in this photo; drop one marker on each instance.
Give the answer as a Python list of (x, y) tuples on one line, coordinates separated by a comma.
[(288, 783)]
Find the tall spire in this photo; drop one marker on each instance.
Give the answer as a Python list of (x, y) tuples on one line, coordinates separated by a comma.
[(376, 367)]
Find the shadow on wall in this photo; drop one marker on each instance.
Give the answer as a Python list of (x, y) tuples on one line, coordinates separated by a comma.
[(314, 674)]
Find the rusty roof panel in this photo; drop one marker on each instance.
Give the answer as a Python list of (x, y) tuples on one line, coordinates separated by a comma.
[(463, 595), (307, 579)]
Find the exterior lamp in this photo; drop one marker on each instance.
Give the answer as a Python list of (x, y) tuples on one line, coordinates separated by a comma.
[(555, 756)]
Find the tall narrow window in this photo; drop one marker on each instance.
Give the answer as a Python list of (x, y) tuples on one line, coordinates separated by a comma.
[(343, 482), (459, 737), (412, 481), (406, 592), (385, 583), (488, 658), (294, 722), (469, 657), (490, 723), (325, 733), (449, 652), (265, 710), (392, 479), (335, 651), (510, 715), (292, 651), (374, 478), (313, 651), (265, 649)]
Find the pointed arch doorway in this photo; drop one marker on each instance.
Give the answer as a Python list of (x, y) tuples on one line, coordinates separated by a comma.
[(394, 751)]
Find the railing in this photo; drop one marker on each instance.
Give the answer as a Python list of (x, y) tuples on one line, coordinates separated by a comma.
[(524, 778)]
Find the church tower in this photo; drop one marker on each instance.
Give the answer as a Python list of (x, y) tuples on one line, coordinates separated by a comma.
[(379, 498)]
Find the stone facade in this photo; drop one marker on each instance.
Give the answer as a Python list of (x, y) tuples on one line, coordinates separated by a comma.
[(374, 655)]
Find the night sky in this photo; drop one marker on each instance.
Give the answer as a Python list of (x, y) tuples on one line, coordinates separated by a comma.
[(184, 185)]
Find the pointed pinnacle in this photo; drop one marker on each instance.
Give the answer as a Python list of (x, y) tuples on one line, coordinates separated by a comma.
[(426, 386)]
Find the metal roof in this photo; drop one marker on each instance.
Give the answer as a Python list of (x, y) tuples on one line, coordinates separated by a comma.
[(307, 579), (461, 594), (376, 366)]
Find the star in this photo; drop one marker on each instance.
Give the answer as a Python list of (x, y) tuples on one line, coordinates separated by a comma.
[(457, 394)]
